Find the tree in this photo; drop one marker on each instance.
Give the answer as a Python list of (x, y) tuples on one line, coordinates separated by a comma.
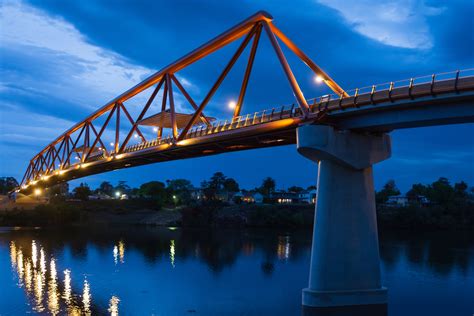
[(181, 189), (230, 185), (122, 187), (389, 189), (208, 190), (311, 187), (7, 184), (295, 189), (268, 186), (82, 192), (441, 192), (106, 188), (417, 190), (153, 189), (217, 181)]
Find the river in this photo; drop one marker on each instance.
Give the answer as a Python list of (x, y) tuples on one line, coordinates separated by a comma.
[(177, 271)]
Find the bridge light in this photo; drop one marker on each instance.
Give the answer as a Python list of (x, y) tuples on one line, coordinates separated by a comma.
[(318, 79), (37, 192), (232, 105)]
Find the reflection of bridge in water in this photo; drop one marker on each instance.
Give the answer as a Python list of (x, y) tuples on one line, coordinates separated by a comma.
[(346, 133), (217, 249)]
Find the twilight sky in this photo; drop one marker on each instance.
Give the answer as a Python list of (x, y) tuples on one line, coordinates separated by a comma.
[(61, 60)]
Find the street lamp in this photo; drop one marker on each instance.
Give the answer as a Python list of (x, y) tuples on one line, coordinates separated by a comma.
[(37, 193), (117, 194), (232, 105), (318, 79)]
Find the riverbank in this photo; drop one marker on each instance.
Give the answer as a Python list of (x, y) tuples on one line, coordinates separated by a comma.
[(148, 212)]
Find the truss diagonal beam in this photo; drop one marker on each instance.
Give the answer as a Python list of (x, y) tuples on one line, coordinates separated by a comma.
[(217, 83), (190, 100), (316, 69), (286, 68), (248, 70)]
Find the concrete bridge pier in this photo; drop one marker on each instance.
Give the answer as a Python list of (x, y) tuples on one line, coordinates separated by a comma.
[(345, 262)]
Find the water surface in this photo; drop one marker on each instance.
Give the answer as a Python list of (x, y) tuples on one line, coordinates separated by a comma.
[(168, 271)]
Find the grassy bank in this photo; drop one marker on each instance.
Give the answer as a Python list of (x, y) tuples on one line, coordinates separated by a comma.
[(147, 212)]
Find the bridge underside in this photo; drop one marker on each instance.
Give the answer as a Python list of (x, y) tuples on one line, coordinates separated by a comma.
[(265, 135)]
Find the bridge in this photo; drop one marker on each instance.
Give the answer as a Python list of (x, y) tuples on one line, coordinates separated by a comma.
[(345, 132)]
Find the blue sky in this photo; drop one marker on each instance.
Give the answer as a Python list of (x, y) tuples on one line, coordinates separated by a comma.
[(61, 60)]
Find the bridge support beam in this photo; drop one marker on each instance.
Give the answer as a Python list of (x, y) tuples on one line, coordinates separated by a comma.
[(345, 263)]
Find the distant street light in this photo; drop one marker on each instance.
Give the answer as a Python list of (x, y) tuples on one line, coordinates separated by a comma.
[(117, 194), (37, 193)]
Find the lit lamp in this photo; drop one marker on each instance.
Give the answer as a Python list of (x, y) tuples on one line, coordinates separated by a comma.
[(37, 193), (117, 194), (318, 79), (232, 105)]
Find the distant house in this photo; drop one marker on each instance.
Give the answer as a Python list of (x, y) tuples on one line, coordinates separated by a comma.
[(197, 194), (397, 200), (100, 196), (258, 198), (249, 197), (283, 197), (303, 197), (306, 196), (403, 200)]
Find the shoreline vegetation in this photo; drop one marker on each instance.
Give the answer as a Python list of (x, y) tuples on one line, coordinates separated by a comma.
[(429, 207)]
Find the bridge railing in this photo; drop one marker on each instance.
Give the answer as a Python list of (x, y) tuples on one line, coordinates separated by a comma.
[(317, 104), (259, 117), (432, 81)]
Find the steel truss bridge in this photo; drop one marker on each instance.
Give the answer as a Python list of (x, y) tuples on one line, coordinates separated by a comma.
[(81, 151)]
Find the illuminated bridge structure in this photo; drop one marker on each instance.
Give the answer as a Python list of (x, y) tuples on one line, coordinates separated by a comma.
[(345, 132)]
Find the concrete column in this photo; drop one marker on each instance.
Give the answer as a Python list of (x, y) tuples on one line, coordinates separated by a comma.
[(345, 263)]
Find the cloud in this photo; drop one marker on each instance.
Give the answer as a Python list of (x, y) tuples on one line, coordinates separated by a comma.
[(399, 23), (54, 51)]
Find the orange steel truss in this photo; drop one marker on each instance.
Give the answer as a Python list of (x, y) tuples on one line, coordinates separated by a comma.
[(89, 144)]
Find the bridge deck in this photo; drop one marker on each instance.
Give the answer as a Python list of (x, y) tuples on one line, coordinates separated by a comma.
[(273, 127)]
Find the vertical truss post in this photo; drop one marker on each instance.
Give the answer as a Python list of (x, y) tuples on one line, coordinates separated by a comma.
[(248, 70), (190, 100), (117, 129), (172, 109), (163, 105)]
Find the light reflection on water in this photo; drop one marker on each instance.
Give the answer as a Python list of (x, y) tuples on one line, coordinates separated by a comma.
[(37, 283), (214, 272)]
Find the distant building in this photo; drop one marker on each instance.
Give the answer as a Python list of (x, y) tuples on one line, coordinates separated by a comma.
[(283, 197), (249, 197), (403, 200), (303, 197), (100, 196), (397, 200), (307, 196)]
